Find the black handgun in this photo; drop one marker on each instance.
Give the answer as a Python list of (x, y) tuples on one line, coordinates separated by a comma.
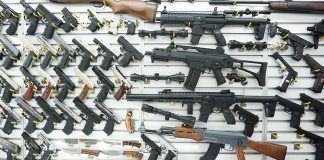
[(248, 118), (108, 55), (67, 84), (11, 16), (88, 54), (318, 141), (130, 52), (68, 52), (32, 83), (86, 113), (32, 146), (52, 22), (70, 22), (155, 149), (96, 22), (107, 85), (318, 70), (294, 109), (317, 31), (31, 16), (314, 106), (12, 53)]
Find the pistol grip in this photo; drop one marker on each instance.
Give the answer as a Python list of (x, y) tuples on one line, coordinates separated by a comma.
[(69, 125), (283, 86), (14, 23), (298, 52), (106, 62), (49, 125), (170, 155), (29, 93), (212, 152), (295, 120), (93, 26), (30, 155), (47, 59), (62, 93), (248, 130), (85, 63), (88, 128), (8, 61), (31, 125), (121, 92), (7, 93), (197, 32), (319, 154), (49, 30), (103, 93), (64, 60), (109, 127), (318, 85), (125, 60), (319, 120), (10, 155), (218, 76), (29, 59), (9, 125), (33, 25), (153, 155), (46, 155), (205, 111)]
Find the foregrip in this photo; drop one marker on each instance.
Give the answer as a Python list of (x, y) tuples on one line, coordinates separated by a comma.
[(319, 154), (31, 125), (31, 30), (7, 93), (212, 152), (9, 125), (125, 60), (49, 125), (109, 127), (153, 155), (46, 155), (88, 128), (295, 120), (49, 30), (69, 125), (192, 79), (47, 59), (170, 155), (29, 59), (14, 23), (85, 62)]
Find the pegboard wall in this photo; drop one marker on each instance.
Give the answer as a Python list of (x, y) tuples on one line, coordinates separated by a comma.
[(296, 22)]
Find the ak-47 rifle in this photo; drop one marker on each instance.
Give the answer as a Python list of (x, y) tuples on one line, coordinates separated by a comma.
[(12, 117), (218, 139), (8, 14), (200, 59), (138, 8), (10, 86)]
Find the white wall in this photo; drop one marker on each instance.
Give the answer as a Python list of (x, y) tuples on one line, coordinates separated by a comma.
[(279, 124)]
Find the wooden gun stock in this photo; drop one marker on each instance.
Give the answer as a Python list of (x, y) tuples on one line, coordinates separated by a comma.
[(183, 132), (133, 154), (146, 11), (272, 150), (298, 6)]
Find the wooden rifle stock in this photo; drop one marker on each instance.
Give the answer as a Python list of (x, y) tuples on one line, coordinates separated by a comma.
[(183, 132), (146, 11), (275, 151), (239, 153), (302, 6)]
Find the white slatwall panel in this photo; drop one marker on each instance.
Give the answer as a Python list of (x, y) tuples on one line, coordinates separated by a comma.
[(296, 22)]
